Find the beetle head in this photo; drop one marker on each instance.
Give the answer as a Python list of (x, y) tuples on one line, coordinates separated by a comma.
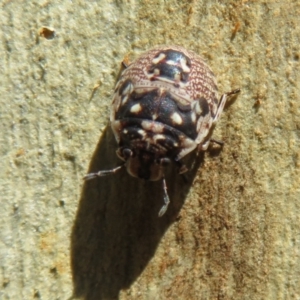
[(143, 164)]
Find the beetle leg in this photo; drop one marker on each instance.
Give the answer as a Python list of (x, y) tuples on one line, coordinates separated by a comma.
[(222, 104), (124, 64), (203, 147), (219, 142), (102, 173), (166, 199), (182, 168)]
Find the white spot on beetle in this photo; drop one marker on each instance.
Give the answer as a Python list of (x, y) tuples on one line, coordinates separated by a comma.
[(177, 77), (128, 89), (160, 57), (136, 108), (124, 99), (153, 126), (175, 117), (184, 66), (171, 62), (198, 108), (193, 117), (142, 132), (156, 72), (159, 137)]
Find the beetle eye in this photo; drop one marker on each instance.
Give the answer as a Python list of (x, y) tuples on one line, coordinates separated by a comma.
[(126, 153), (164, 161)]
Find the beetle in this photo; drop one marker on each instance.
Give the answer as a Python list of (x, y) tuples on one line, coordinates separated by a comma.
[(165, 105)]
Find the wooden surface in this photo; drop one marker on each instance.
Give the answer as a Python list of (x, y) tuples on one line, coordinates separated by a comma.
[(232, 230)]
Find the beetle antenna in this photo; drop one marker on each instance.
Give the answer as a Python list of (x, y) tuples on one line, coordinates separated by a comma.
[(166, 199), (102, 173)]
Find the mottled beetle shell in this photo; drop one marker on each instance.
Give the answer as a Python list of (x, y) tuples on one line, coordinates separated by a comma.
[(164, 106)]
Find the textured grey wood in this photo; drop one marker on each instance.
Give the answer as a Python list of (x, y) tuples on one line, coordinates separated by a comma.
[(232, 230)]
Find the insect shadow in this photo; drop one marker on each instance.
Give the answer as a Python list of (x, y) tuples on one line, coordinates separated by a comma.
[(117, 228)]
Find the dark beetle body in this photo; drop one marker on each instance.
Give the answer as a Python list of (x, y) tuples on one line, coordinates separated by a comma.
[(163, 107)]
